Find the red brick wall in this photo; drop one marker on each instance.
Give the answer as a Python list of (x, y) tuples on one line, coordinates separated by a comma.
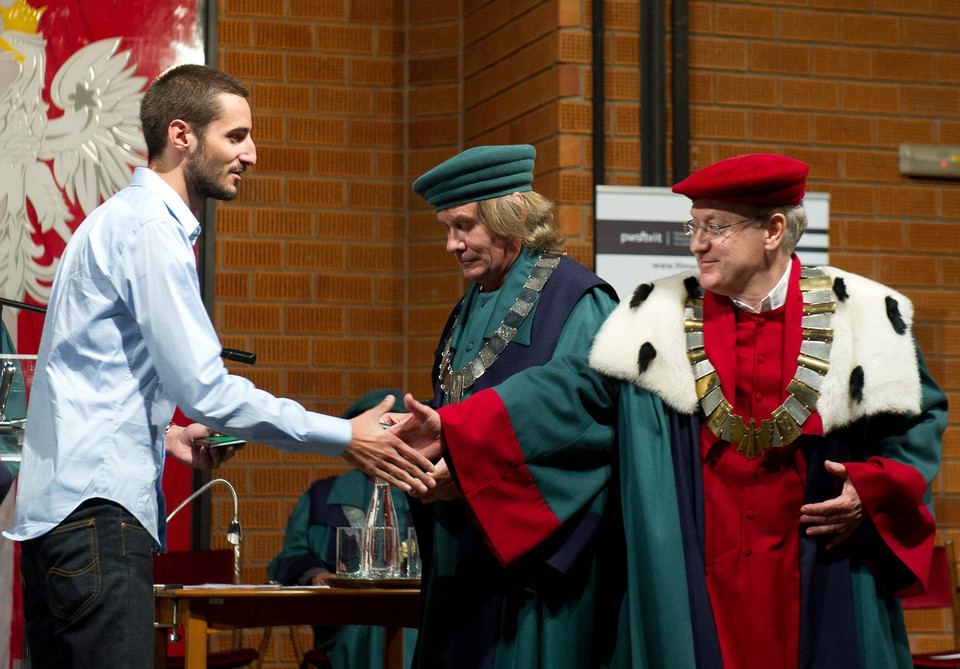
[(312, 257), (335, 273)]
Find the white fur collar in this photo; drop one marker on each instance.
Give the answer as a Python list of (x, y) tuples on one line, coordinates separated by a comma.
[(863, 336)]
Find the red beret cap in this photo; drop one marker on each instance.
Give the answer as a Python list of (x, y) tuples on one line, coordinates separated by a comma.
[(756, 178)]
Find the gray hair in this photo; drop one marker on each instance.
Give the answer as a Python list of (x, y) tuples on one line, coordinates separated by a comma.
[(796, 217), (531, 221)]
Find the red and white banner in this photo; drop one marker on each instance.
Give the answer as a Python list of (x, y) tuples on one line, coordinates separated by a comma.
[(72, 73)]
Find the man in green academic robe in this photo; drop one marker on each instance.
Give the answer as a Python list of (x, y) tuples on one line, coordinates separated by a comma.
[(526, 303)]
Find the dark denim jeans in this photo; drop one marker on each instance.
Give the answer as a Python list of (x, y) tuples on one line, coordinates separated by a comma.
[(88, 591)]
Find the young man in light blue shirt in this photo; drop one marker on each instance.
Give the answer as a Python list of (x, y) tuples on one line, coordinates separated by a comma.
[(126, 340)]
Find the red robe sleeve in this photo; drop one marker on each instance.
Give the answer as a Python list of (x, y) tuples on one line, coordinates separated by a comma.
[(491, 469), (892, 496)]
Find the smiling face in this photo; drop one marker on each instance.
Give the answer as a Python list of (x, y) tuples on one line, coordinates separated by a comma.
[(483, 257), (746, 261), (223, 152)]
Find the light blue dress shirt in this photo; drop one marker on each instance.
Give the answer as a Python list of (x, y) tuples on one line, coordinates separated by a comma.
[(126, 340)]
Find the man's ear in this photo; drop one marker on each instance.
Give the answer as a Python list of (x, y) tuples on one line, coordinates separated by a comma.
[(521, 204), (776, 231), (180, 135)]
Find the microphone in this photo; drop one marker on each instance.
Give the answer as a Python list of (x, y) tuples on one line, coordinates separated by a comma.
[(4, 302), (234, 534), (245, 357)]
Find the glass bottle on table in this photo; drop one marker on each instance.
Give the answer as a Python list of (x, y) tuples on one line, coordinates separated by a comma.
[(381, 543)]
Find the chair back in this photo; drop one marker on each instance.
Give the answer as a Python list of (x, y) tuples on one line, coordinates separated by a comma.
[(196, 568), (941, 587), (193, 567)]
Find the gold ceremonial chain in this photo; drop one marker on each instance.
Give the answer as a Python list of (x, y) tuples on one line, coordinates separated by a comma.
[(454, 383), (803, 391)]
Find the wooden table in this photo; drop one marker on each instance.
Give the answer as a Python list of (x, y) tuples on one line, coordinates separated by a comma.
[(202, 609)]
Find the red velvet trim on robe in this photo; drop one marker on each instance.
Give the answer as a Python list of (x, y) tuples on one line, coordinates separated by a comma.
[(495, 484), (752, 506), (892, 496)]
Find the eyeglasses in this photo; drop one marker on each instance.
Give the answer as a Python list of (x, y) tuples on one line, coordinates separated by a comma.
[(711, 231)]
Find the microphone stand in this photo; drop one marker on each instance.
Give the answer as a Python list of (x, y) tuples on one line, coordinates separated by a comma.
[(234, 534)]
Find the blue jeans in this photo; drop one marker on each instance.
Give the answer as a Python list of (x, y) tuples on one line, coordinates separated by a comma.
[(88, 591)]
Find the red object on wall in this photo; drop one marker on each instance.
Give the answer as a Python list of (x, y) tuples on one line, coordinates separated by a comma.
[(177, 485)]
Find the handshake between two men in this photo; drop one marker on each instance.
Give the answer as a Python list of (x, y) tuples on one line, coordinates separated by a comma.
[(402, 453)]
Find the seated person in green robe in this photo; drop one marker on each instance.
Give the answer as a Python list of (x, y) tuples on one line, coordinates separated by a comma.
[(310, 546)]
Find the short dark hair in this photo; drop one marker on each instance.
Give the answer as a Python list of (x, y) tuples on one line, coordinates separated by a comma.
[(188, 93)]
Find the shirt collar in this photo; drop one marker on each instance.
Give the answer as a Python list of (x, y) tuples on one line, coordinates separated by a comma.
[(147, 178), (775, 299)]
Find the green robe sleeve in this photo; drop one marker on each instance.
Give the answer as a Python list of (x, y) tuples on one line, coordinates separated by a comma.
[(532, 453), (553, 437), (896, 457), (529, 497), (902, 515)]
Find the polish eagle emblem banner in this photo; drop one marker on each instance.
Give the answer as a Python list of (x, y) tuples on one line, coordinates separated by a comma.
[(72, 73)]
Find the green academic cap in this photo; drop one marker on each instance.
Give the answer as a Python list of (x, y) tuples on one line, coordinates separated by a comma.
[(372, 399), (480, 173)]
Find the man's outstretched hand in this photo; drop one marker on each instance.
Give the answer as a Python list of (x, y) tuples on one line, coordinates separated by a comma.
[(381, 453), (421, 430)]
